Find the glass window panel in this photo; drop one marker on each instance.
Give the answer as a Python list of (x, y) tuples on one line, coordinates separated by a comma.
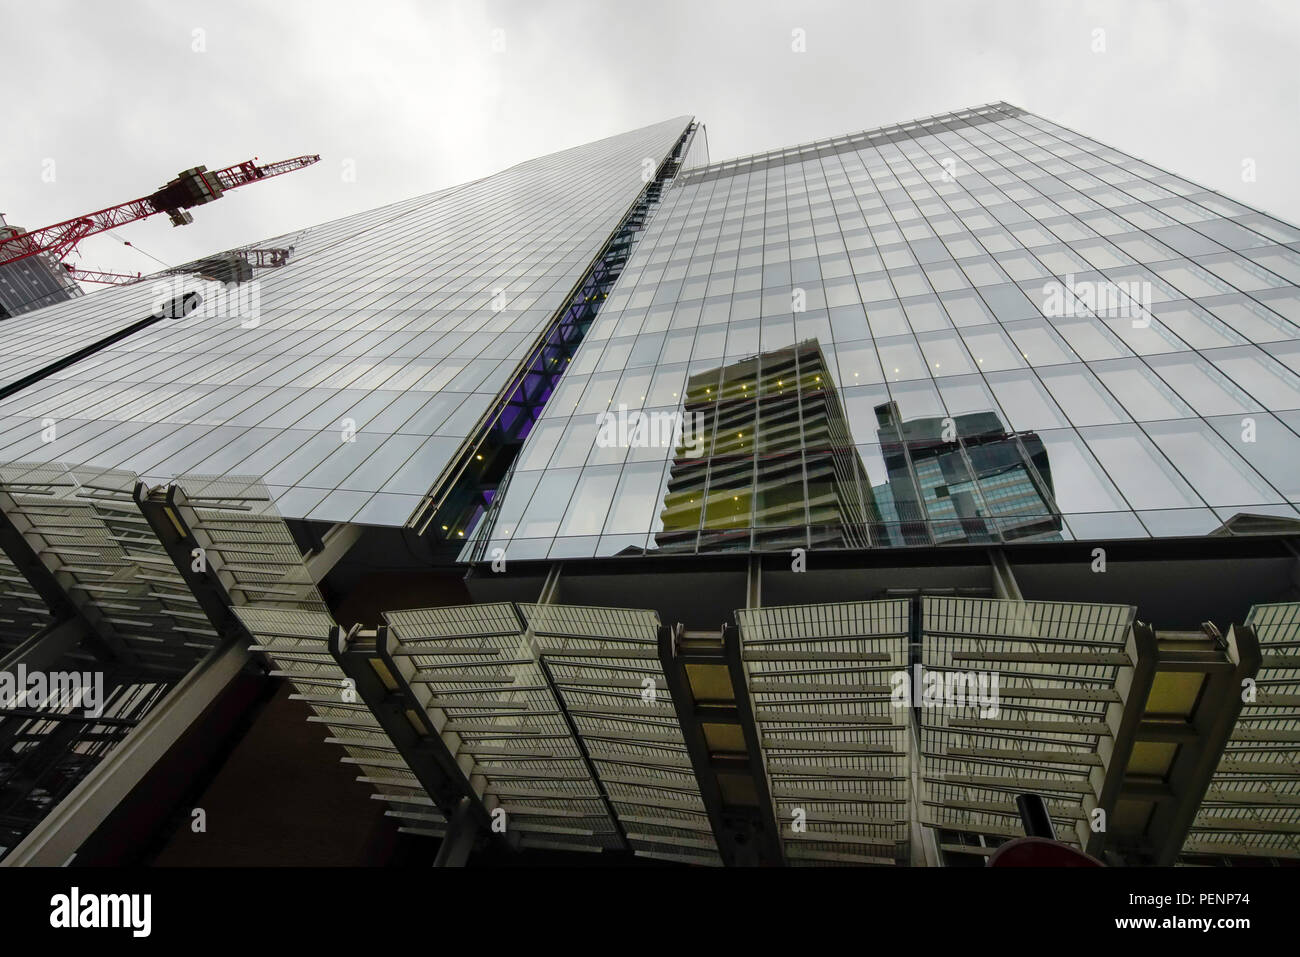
[(901, 358), (636, 501), (849, 323), (591, 501), (1269, 446), (1077, 480), (1222, 477), (1266, 379), (992, 349), (579, 441), (887, 319), (1204, 388), (1025, 403), (917, 399), (1241, 272), (1253, 320), (1144, 394), (1146, 477), (945, 354), (1090, 339), (1081, 396), (1145, 335), (1038, 344), (858, 364), (548, 505), (968, 393), (1198, 328), (710, 342), (926, 315)]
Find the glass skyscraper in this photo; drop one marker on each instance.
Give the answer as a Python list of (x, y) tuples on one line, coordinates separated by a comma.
[(946, 268), (632, 495)]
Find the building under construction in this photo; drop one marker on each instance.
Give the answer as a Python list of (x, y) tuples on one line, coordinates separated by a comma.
[(360, 580)]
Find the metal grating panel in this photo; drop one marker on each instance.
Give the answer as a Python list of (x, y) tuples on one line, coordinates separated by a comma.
[(1252, 806), (604, 663), (253, 554), (22, 612), (833, 746), (489, 690), (1056, 665), (87, 529)]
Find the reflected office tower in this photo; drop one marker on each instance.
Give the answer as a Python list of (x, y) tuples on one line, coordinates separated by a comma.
[(962, 478), (765, 446), (33, 282)]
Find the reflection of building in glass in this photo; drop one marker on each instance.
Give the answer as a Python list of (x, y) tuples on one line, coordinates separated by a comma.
[(32, 282), (777, 457), (962, 479)]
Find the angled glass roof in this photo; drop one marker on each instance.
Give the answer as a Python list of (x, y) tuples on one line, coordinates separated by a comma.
[(347, 378)]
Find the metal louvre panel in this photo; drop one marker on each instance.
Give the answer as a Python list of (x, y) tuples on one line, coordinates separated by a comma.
[(493, 705), (605, 666), (1252, 806), (294, 640), (832, 744), (87, 529), (22, 613), (1056, 665), (252, 552)]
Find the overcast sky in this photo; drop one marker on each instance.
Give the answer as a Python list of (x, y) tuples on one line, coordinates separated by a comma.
[(110, 100)]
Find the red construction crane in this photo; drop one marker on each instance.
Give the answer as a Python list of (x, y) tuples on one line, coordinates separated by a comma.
[(193, 187)]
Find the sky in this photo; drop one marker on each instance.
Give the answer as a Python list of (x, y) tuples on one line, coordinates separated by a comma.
[(107, 101)]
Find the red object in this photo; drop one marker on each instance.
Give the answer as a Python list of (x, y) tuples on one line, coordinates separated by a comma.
[(107, 278), (193, 187), (1040, 852)]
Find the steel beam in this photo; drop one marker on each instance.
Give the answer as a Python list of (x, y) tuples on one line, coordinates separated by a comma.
[(335, 544), (1215, 717), (61, 832), (771, 849), (173, 522), (462, 832), (1124, 720), (745, 834), (383, 682), (42, 650)]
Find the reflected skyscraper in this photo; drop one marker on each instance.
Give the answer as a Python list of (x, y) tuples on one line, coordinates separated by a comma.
[(775, 456), (962, 479)]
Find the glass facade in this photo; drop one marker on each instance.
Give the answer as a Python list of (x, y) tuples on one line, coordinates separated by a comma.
[(1032, 336), (348, 378)]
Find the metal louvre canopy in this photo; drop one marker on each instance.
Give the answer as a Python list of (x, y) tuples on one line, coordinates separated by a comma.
[(250, 550), (1252, 806), (1057, 666), (547, 706), (88, 532), (833, 746), (604, 664), (295, 642), (492, 705)]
